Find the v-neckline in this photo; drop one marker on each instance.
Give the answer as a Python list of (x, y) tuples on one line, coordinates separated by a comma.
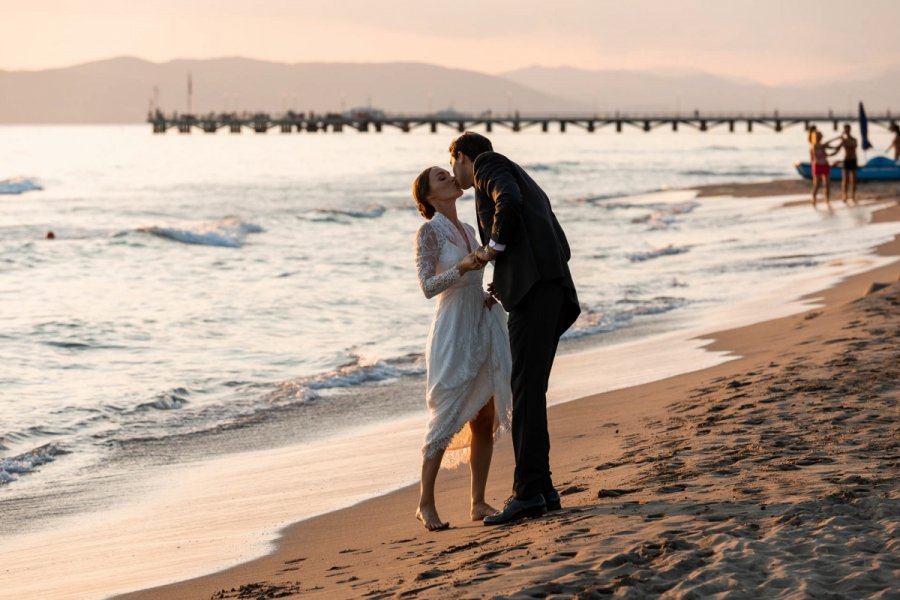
[(461, 230)]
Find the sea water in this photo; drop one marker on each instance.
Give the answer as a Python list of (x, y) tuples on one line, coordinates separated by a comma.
[(210, 301)]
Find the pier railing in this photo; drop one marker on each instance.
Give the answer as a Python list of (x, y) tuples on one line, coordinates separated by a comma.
[(364, 122)]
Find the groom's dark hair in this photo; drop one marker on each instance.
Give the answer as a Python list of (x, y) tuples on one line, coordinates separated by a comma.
[(471, 144)]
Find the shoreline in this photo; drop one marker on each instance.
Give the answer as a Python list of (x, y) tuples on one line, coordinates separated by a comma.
[(376, 547)]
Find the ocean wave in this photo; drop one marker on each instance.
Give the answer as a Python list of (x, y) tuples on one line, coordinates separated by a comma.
[(594, 320), (618, 205), (334, 215), (28, 462), (18, 185), (654, 306), (669, 250), (358, 372), (665, 215), (171, 400), (554, 166), (784, 264), (228, 232), (734, 173), (170, 413), (69, 345), (600, 198)]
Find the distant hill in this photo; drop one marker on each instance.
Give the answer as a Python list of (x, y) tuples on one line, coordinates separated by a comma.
[(687, 91), (119, 90)]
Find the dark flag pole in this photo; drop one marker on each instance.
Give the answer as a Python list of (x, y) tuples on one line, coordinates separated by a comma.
[(864, 128)]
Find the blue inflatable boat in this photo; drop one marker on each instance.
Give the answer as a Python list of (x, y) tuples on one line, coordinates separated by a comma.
[(880, 168)]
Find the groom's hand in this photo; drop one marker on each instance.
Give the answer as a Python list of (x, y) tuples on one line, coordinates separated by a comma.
[(486, 254)]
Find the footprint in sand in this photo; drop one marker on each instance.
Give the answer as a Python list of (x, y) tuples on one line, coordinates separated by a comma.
[(431, 574), (562, 556), (609, 465), (615, 493), (671, 489)]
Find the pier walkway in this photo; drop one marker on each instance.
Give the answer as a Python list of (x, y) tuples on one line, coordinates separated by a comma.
[(363, 122)]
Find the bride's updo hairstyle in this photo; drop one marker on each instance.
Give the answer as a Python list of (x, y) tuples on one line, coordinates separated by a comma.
[(420, 189)]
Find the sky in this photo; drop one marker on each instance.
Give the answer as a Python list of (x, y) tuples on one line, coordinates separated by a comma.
[(768, 41)]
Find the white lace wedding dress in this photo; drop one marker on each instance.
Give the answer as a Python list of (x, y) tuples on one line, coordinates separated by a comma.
[(467, 353)]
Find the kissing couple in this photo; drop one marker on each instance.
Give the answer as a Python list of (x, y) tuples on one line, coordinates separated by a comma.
[(486, 372)]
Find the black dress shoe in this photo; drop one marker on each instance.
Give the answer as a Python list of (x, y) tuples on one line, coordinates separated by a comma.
[(516, 509), (552, 500)]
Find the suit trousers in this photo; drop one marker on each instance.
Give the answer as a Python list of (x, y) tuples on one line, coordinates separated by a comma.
[(535, 326)]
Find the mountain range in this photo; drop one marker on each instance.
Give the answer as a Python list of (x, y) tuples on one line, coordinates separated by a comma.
[(121, 90)]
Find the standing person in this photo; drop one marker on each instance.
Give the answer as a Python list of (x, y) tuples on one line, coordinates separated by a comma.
[(821, 171), (850, 164), (521, 235), (811, 134), (895, 143), (467, 352)]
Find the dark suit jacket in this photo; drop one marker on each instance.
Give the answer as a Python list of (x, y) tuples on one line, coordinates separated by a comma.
[(513, 210)]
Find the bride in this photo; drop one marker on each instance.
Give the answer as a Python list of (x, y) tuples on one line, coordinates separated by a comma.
[(467, 352)]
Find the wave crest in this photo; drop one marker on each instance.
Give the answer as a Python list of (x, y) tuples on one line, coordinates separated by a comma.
[(171, 400), (358, 372), (228, 232), (594, 320), (335, 215), (18, 185), (28, 462), (669, 250)]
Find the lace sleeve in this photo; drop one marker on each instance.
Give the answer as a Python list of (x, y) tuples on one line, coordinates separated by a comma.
[(428, 251)]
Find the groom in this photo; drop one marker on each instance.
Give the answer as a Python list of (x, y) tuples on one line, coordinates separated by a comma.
[(532, 280)]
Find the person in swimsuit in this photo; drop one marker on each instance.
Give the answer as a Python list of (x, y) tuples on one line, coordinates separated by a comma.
[(821, 171), (850, 164), (895, 145)]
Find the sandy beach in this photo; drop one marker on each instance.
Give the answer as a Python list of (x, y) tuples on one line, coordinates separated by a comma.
[(773, 475)]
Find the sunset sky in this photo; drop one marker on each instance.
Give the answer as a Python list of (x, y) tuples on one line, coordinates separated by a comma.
[(771, 41)]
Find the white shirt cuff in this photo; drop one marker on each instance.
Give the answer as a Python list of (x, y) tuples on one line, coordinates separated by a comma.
[(496, 246)]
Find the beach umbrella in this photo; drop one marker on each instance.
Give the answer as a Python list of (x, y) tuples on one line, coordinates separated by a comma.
[(864, 128)]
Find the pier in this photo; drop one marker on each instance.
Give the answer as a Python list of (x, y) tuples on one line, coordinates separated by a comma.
[(292, 122)]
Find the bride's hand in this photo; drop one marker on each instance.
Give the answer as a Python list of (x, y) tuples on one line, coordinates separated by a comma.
[(469, 263), (489, 301)]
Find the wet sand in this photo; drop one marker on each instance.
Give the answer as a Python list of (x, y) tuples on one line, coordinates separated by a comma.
[(773, 475)]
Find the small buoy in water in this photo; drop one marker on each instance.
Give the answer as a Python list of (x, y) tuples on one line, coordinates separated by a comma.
[(50, 235)]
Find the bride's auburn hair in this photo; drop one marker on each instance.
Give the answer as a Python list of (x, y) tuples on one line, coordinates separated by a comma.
[(420, 189)]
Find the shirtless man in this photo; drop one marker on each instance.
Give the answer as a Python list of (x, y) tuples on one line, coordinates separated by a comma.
[(895, 144), (848, 175)]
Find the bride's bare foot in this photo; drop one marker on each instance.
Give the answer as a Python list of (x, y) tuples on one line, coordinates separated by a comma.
[(480, 510), (429, 517)]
